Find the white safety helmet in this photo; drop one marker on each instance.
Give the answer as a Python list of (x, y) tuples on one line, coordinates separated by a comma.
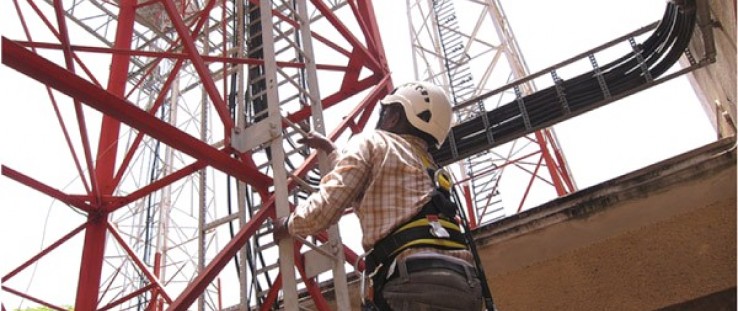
[(426, 106)]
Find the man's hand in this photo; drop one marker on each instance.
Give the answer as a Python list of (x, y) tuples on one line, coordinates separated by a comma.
[(317, 141), (280, 229)]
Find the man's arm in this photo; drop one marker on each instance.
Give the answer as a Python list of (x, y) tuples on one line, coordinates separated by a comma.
[(317, 141), (337, 190)]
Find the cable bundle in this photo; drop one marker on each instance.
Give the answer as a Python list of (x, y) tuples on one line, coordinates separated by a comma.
[(658, 53)]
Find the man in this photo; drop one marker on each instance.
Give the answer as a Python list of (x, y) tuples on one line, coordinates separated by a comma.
[(415, 250)]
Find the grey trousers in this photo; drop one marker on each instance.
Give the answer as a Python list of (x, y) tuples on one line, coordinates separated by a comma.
[(433, 289)]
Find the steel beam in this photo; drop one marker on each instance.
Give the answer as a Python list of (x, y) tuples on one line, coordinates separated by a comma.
[(48, 73)]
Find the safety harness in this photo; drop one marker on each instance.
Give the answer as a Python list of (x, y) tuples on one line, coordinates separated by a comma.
[(435, 226)]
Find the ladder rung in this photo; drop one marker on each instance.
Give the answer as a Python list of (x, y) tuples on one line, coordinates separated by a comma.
[(256, 80), (287, 48), (256, 50), (444, 10), (265, 246), (289, 99), (462, 79), (267, 268)]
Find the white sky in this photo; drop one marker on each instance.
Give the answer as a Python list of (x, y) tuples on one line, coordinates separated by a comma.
[(624, 136), (642, 129)]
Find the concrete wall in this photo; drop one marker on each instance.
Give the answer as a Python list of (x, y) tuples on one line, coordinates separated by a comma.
[(658, 237), (716, 84), (661, 238)]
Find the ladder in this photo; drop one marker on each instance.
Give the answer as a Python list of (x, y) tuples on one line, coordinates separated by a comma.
[(480, 168), (272, 92)]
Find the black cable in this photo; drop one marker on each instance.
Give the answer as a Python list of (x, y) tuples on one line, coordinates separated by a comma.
[(659, 52), (232, 109), (481, 275), (149, 221)]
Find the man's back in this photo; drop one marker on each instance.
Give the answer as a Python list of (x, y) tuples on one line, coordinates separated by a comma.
[(416, 251)]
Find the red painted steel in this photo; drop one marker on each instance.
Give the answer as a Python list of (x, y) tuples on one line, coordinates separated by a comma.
[(50, 74), (68, 59), (197, 61), (469, 206), (156, 185), (45, 251), (271, 297), (91, 264), (118, 76), (554, 168), (51, 192), (93, 251), (562, 166), (117, 110), (134, 294), (190, 294), (32, 298), (38, 68), (139, 264), (312, 287)]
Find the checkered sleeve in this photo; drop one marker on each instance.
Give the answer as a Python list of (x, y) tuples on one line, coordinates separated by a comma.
[(338, 190)]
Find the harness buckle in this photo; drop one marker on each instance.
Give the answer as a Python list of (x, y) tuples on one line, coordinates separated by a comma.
[(442, 179), (437, 230)]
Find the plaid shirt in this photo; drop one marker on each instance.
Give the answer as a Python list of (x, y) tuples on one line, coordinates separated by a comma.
[(380, 175)]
